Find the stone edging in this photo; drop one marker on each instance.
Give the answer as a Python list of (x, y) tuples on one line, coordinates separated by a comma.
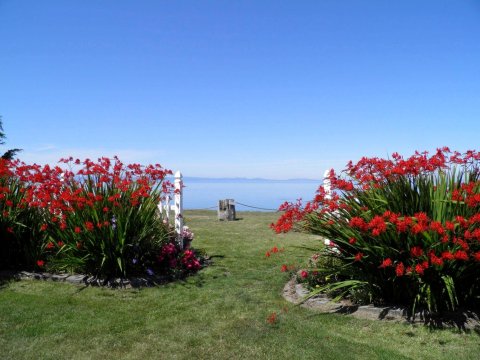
[(296, 293), (78, 279)]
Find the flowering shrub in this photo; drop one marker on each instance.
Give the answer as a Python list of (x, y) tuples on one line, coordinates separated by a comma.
[(173, 258), (20, 238), (99, 218), (404, 231)]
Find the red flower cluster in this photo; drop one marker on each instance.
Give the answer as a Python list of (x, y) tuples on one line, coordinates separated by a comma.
[(82, 197), (272, 318), (437, 243), (274, 250), (62, 192)]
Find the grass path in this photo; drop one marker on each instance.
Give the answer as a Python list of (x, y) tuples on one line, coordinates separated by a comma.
[(218, 314)]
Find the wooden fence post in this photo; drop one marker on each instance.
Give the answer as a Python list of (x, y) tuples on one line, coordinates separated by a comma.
[(179, 207), (226, 209)]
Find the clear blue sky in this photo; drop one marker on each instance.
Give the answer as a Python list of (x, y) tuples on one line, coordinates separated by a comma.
[(274, 89)]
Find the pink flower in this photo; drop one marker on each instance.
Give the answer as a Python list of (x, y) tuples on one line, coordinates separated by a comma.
[(304, 274)]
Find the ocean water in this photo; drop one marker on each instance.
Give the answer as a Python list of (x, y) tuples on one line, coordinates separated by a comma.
[(258, 195)]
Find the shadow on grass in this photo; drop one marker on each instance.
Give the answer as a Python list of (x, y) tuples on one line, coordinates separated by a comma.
[(217, 256), (3, 283), (7, 277), (458, 320)]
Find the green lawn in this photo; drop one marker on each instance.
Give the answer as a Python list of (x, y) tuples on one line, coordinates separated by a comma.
[(219, 313)]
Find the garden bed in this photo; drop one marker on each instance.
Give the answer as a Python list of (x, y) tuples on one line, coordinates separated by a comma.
[(89, 280)]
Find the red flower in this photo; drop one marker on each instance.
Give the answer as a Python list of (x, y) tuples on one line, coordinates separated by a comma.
[(437, 227), (447, 255), (357, 222), (272, 318), (461, 220), (419, 269), (10, 230), (304, 274), (386, 263), (275, 249), (418, 228), (476, 256), (49, 245), (421, 217), (40, 263), (435, 260), (377, 225), (267, 254), (400, 269), (352, 241), (284, 268), (44, 227), (416, 251), (403, 224), (60, 243), (450, 226), (461, 255), (89, 225), (359, 256), (78, 230)]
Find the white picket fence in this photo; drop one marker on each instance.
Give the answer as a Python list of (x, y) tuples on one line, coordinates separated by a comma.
[(167, 209), (327, 185)]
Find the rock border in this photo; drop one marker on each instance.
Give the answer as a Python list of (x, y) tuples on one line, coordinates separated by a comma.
[(112, 283), (296, 293), (79, 279)]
